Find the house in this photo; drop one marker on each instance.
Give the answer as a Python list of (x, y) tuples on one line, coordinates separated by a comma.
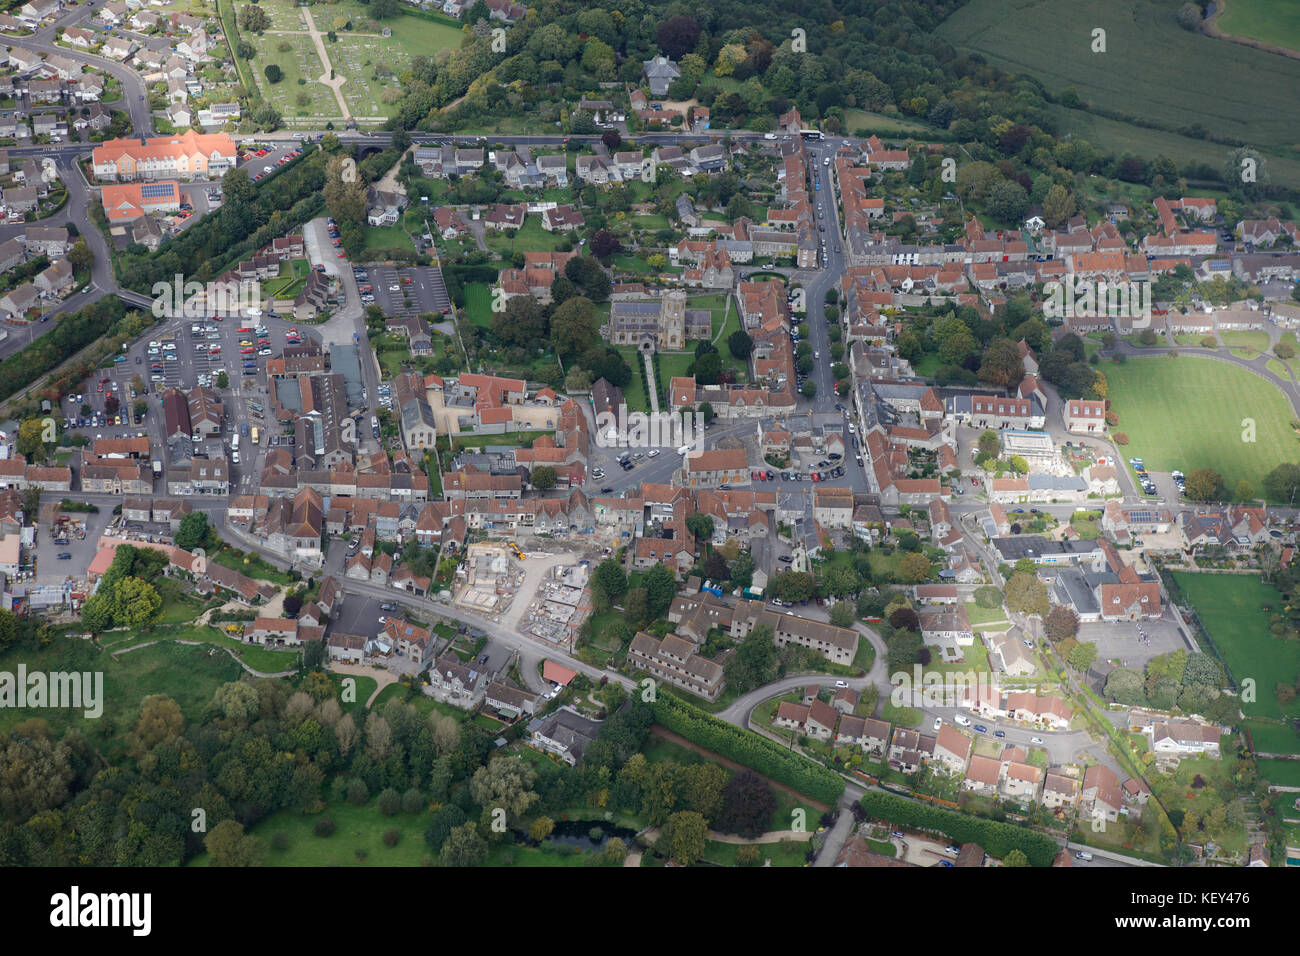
[(186, 156), (659, 74), (562, 218), (1084, 417), (982, 775), (1101, 797), (565, 733), (952, 749), (129, 201), (674, 659), (1008, 651), (1183, 738), (56, 279)]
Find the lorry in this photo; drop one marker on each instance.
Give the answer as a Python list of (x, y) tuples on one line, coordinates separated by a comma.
[(712, 588), (157, 468)]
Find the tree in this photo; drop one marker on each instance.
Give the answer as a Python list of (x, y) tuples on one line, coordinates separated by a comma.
[(678, 36), (227, 845), (700, 526), (136, 603), (464, 847), (747, 805), (223, 379), (989, 444), (574, 326), (707, 369), (543, 477), (742, 570), (661, 588), (1058, 206), (1282, 483), (755, 662), (808, 389), (80, 257), (504, 783), (1244, 491), (1190, 16), (603, 242), (252, 18), (273, 73), (611, 579), (1061, 623), (843, 615), (540, 829), (193, 531), (1002, 364), (521, 323), (1204, 484), (740, 344), (635, 607), (1082, 655), (1015, 858), (683, 837), (1026, 594), (914, 568), (1007, 201), (383, 9)]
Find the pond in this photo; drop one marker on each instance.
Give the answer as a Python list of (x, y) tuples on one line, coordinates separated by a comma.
[(588, 834)]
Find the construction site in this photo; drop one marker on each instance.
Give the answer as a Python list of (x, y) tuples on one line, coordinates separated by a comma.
[(558, 606), (488, 578)]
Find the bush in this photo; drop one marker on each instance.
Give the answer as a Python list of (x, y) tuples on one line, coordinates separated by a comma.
[(988, 597), (358, 794), (391, 837), (279, 840), (1121, 438), (389, 802), (324, 827), (412, 801)]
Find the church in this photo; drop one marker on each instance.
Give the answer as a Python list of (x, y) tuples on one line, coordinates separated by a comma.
[(664, 324)]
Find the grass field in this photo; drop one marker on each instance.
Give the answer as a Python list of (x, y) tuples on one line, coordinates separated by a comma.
[(1229, 608), (1275, 22), (1284, 773), (1246, 340), (884, 124), (300, 62), (1271, 738), (1145, 50), (359, 828), (188, 675), (1187, 413), (530, 237)]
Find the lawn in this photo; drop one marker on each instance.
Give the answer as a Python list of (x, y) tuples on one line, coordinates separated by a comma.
[(299, 62), (1187, 413), (252, 565), (1271, 738), (633, 393), (1274, 22), (984, 615), (358, 828), (1229, 608), (1145, 50), (478, 305), (292, 278), (1284, 773), (1257, 341), (784, 853), (530, 237), (884, 124), (388, 237)]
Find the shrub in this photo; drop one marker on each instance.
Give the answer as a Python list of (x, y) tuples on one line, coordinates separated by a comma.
[(997, 839), (412, 801), (389, 802), (391, 837), (324, 827), (1121, 438), (279, 840), (358, 794)]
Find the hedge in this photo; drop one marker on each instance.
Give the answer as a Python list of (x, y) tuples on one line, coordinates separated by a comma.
[(997, 839), (754, 751)]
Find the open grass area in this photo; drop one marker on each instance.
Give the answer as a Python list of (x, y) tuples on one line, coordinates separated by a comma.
[(1229, 606), (290, 281), (1275, 22), (1246, 340), (388, 237), (1145, 50), (358, 829), (1187, 413), (252, 565), (1273, 738), (530, 237), (1284, 773), (188, 675), (300, 61), (633, 393), (884, 124), (478, 305)]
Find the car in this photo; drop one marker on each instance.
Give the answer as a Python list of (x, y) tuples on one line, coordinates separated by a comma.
[(65, 556), (654, 452), (1028, 642), (607, 490), (1035, 740), (382, 619), (981, 729), (483, 659), (785, 559), (962, 720), (938, 724), (841, 683), (999, 733), (1083, 855)]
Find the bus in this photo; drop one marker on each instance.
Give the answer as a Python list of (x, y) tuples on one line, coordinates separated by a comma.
[(255, 435), (810, 133)]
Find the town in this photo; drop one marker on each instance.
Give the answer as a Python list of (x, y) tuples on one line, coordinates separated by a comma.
[(695, 463)]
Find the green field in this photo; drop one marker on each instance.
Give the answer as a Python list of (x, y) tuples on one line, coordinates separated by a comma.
[(1185, 412), (1275, 22), (1284, 773), (1229, 608), (1146, 51), (1246, 340), (1271, 738), (884, 124), (299, 62)]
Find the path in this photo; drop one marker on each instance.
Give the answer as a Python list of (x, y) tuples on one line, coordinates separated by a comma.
[(384, 677), (654, 385), (328, 78), (774, 836), (233, 656)]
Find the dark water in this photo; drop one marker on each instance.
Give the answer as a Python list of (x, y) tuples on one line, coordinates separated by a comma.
[(578, 833)]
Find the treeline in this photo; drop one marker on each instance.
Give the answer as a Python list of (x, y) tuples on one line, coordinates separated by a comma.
[(250, 218), (72, 334), (750, 749), (997, 839)]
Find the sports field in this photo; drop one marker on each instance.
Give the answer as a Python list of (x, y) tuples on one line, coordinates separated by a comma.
[(1275, 22), (1229, 606), (1151, 67), (1187, 413)]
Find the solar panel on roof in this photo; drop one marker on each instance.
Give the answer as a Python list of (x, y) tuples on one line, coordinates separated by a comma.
[(156, 191)]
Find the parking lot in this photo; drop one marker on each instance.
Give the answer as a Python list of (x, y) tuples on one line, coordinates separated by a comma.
[(51, 570), (262, 161), (414, 290), (1120, 640)]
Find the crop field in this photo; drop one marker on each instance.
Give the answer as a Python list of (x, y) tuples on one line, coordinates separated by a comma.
[(1187, 413), (1151, 67), (1229, 606)]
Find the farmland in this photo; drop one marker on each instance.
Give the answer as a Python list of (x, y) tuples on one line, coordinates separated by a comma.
[(1146, 50), (1187, 413), (1274, 22)]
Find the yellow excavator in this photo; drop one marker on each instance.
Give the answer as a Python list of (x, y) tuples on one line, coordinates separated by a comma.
[(518, 553)]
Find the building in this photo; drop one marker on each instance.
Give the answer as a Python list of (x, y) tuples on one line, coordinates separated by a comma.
[(665, 323), (186, 156), (674, 659), (130, 201)]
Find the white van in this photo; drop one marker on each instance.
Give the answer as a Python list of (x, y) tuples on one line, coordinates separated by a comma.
[(963, 720), (234, 443)]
